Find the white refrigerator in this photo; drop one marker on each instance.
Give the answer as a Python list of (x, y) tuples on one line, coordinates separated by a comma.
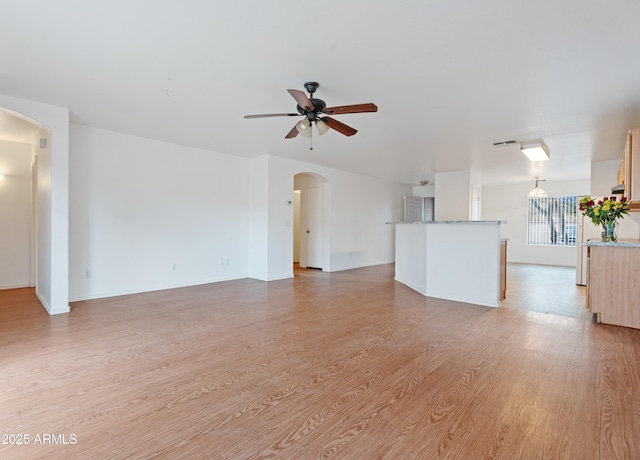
[(628, 229)]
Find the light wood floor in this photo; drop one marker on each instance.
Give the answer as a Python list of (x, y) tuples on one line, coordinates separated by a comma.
[(348, 365), (545, 289)]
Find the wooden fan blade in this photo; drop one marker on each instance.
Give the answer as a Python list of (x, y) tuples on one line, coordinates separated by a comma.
[(338, 126), (356, 108), (301, 98), (266, 115), (293, 133)]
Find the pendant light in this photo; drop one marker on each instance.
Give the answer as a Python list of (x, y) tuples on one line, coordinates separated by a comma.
[(537, 192)]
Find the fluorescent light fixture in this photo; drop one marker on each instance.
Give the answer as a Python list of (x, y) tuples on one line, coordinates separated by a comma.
[(535, 152)]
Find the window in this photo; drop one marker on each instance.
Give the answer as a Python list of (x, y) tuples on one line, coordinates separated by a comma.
[(552, 221)]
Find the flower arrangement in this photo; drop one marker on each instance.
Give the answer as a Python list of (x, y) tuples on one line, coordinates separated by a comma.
[(605, 212)]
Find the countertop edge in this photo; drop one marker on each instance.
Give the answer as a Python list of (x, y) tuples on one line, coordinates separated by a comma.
[(475, 222), (614, 244)]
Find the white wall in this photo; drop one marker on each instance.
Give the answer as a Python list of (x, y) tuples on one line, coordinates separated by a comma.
[(454, 193), (139, 206), (509, 203), (258, 243), (52, 283), (604, 176), (356, 211), (296, 226), (15, 209), (280, 236), (424, 191)]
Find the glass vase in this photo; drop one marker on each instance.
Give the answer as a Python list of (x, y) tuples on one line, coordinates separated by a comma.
[(609, 231)]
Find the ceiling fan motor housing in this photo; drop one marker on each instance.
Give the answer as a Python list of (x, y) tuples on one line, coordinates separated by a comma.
[(318, 106)]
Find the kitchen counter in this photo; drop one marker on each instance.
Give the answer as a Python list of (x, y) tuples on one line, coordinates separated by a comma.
[(453, 260), (613, 282), (473, 222), (615, 244)]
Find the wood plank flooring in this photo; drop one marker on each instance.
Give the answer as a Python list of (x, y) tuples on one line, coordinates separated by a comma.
[(546, 289), (347, 365)]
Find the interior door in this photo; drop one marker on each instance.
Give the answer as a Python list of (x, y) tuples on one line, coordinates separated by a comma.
[(475, 203), (314, 231)]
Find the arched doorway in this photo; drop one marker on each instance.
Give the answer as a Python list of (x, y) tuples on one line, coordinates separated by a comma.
[(310, 221), (51, 190), (17, 226)]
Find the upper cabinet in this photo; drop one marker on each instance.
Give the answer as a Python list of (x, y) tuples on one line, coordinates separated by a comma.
[(630, 170)]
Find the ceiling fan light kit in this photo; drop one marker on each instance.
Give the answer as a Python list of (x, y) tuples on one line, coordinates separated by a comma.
[(322, 127), (304, 127), (315, 112)]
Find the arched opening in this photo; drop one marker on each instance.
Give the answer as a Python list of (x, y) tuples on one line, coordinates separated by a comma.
[(48, 184), (18, 150), (311, 217)]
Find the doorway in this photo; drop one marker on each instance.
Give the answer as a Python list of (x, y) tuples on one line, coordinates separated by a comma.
[(17, 202), (475, 203), (314, 231), (310, 249), (50, 126)]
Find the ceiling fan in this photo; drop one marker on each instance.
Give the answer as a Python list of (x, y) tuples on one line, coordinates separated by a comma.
[(316, 111)]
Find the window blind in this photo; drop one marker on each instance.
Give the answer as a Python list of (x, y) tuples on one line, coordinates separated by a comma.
[(552, 221)]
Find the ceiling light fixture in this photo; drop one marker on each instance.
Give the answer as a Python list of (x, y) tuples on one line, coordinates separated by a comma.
[(537, 192), (304, 127), (322, 127), (535, 152), (1, 176)]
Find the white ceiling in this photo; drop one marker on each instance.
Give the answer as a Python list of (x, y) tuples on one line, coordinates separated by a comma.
[(450, 78)]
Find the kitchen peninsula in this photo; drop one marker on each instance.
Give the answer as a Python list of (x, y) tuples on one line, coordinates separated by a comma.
[(613, 282), (453, 260)]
